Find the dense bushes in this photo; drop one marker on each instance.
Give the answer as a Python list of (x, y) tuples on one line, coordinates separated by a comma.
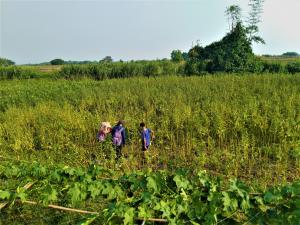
[(122, 69), (17, 72), (102, 71), (273, 67), (57, 62), (231, 54), (6, 62), (293, 67)]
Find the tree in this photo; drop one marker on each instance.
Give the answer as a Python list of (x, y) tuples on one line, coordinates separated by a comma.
[(185, 56), (290, 54), (232, 54), (6, 62), (233, 14), (176, 56), (57, 62), (106, 59), (256, 9)]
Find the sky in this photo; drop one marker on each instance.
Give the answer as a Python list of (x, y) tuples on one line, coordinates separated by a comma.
[(35, 31)]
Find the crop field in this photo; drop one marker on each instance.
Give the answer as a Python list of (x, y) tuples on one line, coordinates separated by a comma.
[(281, 59), (227, 150)]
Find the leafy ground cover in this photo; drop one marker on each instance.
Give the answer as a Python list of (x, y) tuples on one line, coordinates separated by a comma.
[(113, 197)]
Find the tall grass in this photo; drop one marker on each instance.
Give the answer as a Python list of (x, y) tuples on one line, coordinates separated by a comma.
[(246, 126)]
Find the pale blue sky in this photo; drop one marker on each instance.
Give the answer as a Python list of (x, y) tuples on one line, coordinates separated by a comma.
[(40, 30)]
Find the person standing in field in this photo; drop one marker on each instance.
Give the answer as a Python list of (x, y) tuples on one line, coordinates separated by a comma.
[(146, 136), (118, 138), (104, 130)]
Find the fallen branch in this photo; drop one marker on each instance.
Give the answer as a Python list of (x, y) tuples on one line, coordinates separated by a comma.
[(88, 212), (26, 187)]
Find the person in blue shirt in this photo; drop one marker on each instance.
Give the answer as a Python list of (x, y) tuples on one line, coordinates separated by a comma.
[(118, 138), (146, 136)]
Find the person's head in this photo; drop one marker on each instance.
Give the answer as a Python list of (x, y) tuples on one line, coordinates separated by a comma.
[(105, 127), (142, 124), (121, 122)]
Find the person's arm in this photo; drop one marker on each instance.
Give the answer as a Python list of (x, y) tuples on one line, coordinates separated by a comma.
[(123, 136), (113, 131), (145, 140), (152, 135)]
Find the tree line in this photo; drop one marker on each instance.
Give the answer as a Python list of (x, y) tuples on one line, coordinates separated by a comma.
[(233, 54)]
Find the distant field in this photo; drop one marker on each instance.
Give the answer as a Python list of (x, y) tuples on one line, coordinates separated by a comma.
[(280, 59), (45, 68)]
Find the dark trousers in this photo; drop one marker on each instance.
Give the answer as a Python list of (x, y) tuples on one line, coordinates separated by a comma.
[(144, 149), (118, 149)]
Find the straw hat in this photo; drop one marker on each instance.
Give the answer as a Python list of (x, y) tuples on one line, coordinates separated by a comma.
[(106, 124), (105, 127)]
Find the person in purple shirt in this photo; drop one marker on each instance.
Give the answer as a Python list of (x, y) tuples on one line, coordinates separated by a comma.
[(118, 138)]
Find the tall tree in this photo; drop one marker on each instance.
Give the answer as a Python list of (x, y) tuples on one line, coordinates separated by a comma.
[(233, 14), (254, 18), (57, 62), (176, 56), (106, 59)]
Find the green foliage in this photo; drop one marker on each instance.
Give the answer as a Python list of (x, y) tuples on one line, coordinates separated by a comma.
[(240, 126), (57, 62), (176, 56), (6, 62), (232, 54), (106, 59), (233, 14), (104, 71), (273, 67), (290, 54), (237, 125), (4, 195), (254, 18), (194, 199), (293, 67), (17, 72), (198, 61)]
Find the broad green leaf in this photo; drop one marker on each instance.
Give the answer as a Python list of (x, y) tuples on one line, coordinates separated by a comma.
[(129, 216), (4, 194), (95, 190), (21, 194), (230, 204), (182, 182), (88, 220), (151, 184), (50, 195), (76, 193)]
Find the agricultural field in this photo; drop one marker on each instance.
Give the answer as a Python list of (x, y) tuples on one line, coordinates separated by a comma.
[(281, 59), (232, 141)]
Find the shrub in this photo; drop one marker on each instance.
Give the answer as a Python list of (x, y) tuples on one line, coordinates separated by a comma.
[(293, 67), (17, 72), (121, 69), (57, 62), (6, 62), (273, 67)]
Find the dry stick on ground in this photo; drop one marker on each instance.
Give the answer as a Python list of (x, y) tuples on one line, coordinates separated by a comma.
[(26, 187), (88, 212)]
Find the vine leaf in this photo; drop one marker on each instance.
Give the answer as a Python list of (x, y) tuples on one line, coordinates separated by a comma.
[(4, 195)]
